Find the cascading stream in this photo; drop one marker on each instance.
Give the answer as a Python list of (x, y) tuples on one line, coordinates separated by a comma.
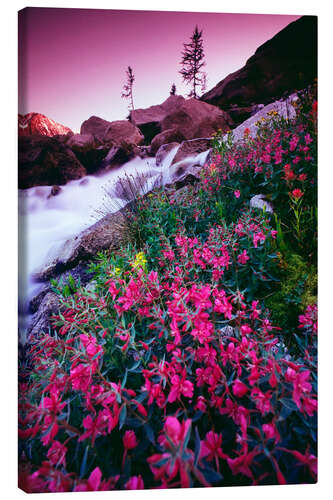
[(47, 221)]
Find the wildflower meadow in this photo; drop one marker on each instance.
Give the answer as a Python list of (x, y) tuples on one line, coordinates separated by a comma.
[(190, 360)]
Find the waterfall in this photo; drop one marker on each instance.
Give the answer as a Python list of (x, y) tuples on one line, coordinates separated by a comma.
[(46, 221)]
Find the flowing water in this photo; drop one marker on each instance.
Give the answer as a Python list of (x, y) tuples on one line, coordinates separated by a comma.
[(47, 221)]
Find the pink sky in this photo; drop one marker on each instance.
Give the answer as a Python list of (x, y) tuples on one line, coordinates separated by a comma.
[(72, 62)]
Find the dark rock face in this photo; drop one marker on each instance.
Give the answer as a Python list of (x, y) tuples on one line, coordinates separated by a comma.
[(189, 118), (171, 135), (117, 133), (239, 114), (281, 65), (88, 150), (123, 132), (149, 120), (196, 119), (56, 160), (116, 156), (94, 126), (191, 148), (36, 123), (49, 305), (45, 161)]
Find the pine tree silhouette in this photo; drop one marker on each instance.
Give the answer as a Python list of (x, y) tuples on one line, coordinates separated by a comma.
[(173, 89), (127, 92), (192, 62)]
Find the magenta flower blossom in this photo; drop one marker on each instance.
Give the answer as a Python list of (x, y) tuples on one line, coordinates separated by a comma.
[(239, 389), (129, 440), (297, 194), (179, 387), (211, 447), (135, 483), (94, 427), (57, 454), (243, 257)]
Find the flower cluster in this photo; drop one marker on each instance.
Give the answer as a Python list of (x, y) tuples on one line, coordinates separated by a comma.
[(171, 372)]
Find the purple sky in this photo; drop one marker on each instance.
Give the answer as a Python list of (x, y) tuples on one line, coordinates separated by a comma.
[(72, 62)]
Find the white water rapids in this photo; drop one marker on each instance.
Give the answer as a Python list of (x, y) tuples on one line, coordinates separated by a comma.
[(46, 221)]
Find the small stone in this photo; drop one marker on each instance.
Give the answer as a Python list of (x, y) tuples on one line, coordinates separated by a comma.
[(258, 201), (226, 331)]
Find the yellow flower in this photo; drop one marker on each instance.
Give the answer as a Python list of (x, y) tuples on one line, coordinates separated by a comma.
[(115, 271), (140, 261)]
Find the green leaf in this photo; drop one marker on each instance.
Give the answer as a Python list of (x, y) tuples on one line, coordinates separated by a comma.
[(135, 366), (211, 475), (84, 462), (187, 437), (289, 403), (124, 379), (197, 448), (122, 416), (150, 433)]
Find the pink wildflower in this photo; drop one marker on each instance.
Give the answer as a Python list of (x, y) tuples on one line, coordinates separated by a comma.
[(180, 386), (239, 389), (211, 447), (129, 440), (135, 483), (243, 257), (297, 194), (57, 454)]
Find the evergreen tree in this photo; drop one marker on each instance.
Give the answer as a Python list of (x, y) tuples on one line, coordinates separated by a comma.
[(192, 62), (128, 87), (173, 89)]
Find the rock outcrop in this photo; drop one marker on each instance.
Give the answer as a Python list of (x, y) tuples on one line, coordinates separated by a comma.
[(285, 63), (196, 119), (283, 107), (36, 123), (178, 119), (171, 135), (49, 305), (46, 161), (89, 151), (118, 133), (191, 148), (149, 120), (109, 232)]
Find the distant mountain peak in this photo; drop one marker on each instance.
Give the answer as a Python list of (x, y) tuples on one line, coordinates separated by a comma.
[(36, 123)]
